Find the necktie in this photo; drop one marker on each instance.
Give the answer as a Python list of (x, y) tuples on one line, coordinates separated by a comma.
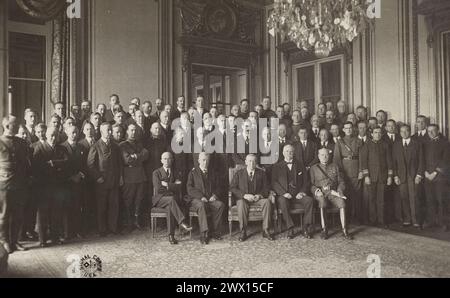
[(304, 145), (392, 138), (168, 172), (251, 176), (405, 144)]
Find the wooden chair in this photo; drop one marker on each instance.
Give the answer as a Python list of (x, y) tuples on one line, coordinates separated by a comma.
[(298, 212), (255, 213), (155, 214)]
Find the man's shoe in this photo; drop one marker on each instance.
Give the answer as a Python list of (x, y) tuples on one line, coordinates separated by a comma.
[(136, 223), (30, 236), (172, 240), (19, 247), (267, 236), (346, 235), (243, 236), (406, 224), (307, 234), (324, 234), (216, 236), (43, 245), (290, 234), (186, 227)]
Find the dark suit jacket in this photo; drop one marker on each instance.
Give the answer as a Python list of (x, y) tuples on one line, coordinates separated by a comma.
[(43, 172), (159, 190), (239, 184), (408, 162), (85, 146), (239, 157), (156, 147), (375, 160), (199, 187), (309, 156), (280, 179), (105, 161), (437, 157), (133, 171), (109, 117), (75, 159)]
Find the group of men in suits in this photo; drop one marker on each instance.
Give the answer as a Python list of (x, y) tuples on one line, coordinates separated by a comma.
[(103, 170)]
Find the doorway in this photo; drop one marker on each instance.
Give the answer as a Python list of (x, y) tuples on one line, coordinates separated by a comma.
[(220, 86)]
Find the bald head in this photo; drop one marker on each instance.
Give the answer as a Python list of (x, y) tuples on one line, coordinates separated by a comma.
[(10, 126)]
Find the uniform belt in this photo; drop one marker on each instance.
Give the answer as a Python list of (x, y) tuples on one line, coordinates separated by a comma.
[(351, 157)]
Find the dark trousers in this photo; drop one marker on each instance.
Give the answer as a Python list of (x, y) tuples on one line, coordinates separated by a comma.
[(133, 194), (176, 215), (393, 202), (214, 209), (30, 211), (376, 202), (107, 208), (243, 207), (88, 208), (365, 204), (285, 205), (409, 201), (354, 200), (52, 213), (74, 217), (11, 215), (436, 203)]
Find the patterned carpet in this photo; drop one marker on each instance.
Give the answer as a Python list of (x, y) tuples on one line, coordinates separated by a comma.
[(138, 255)]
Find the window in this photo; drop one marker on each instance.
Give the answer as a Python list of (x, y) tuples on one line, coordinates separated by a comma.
[(26, 71), (320, 81), (29, 56)]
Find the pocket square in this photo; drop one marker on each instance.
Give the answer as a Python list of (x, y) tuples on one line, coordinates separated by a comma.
[(300, 173)]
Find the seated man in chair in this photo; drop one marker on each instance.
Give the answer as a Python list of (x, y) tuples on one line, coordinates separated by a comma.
[(202, 190), (328, 187), (249, 186), (290, 183), (167, 193)]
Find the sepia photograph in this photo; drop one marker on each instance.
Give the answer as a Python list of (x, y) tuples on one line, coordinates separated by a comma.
[(205, 143)]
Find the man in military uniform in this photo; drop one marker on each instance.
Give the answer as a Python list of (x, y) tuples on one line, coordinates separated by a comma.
[(346, 156), (134, 189), (327, 186), (377, 167), (14, 171)]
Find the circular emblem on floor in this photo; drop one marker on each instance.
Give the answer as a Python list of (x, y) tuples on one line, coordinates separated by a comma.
[(90, 267)]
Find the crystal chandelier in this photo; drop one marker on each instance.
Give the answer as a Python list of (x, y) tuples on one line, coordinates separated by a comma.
[(319, 25)]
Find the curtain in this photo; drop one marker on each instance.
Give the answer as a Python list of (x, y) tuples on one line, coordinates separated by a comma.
[(60, 64)]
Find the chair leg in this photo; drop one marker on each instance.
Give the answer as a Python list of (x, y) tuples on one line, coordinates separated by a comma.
[(230, 227), (301, 221), (190, 224), (152, 226)]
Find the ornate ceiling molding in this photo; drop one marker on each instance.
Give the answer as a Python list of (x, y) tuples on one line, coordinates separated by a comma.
[(219, 19), (42, 9)]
